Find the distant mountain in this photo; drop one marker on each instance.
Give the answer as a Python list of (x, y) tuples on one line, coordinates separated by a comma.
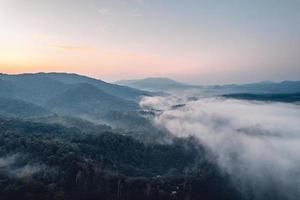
[(286, 97), (155, 84), (267, 87), (165, 84)]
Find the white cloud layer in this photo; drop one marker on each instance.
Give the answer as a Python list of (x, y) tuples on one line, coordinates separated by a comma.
[(257, 144)]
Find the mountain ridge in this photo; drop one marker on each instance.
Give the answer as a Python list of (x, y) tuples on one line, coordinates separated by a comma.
[(165, 84), (65, 79), (155, 84), (65, 94)]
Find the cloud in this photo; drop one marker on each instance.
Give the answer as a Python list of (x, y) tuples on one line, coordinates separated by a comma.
[(11, 166), (105, 12), (257, 144)]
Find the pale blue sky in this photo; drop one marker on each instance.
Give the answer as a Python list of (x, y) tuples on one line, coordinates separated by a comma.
[(199, 41)]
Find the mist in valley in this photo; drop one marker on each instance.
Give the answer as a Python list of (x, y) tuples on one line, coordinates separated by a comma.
[(256, 143), (149, 100)]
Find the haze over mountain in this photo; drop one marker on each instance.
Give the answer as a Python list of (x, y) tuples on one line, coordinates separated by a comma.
[(72, 94), (263, 87), (67, 94), (226, 128), (155, 84), (87, 99), (42, 86), (17, 108), (166, 84)]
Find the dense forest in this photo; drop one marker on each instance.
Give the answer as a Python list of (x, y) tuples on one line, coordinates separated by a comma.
[(51, 161)]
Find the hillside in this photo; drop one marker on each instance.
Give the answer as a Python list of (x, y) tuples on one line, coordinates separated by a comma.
[(113, 89), (86, 99), (20, 109), (40, 87), (65, 94)]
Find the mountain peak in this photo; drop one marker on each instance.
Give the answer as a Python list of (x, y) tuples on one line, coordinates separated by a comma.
[(153, 83)]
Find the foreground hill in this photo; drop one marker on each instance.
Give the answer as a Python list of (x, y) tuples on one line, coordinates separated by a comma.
[(33, 95), (39, 88), (30, 87), (112, 89)]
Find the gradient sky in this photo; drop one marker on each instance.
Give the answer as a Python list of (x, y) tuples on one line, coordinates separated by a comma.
[(197, 41)]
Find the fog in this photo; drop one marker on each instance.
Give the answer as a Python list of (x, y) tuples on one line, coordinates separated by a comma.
[(256, 143), (12, 166)]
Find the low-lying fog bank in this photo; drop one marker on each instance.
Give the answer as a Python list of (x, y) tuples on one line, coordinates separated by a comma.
[(256, 143)]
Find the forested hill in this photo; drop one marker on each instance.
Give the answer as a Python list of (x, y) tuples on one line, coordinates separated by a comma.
[(43, 161), (40, 87), (45, 94)]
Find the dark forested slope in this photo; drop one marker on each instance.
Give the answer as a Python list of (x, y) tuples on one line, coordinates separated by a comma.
[(42, 161)]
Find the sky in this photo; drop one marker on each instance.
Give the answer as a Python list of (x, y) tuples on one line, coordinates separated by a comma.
[(196, 41)]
